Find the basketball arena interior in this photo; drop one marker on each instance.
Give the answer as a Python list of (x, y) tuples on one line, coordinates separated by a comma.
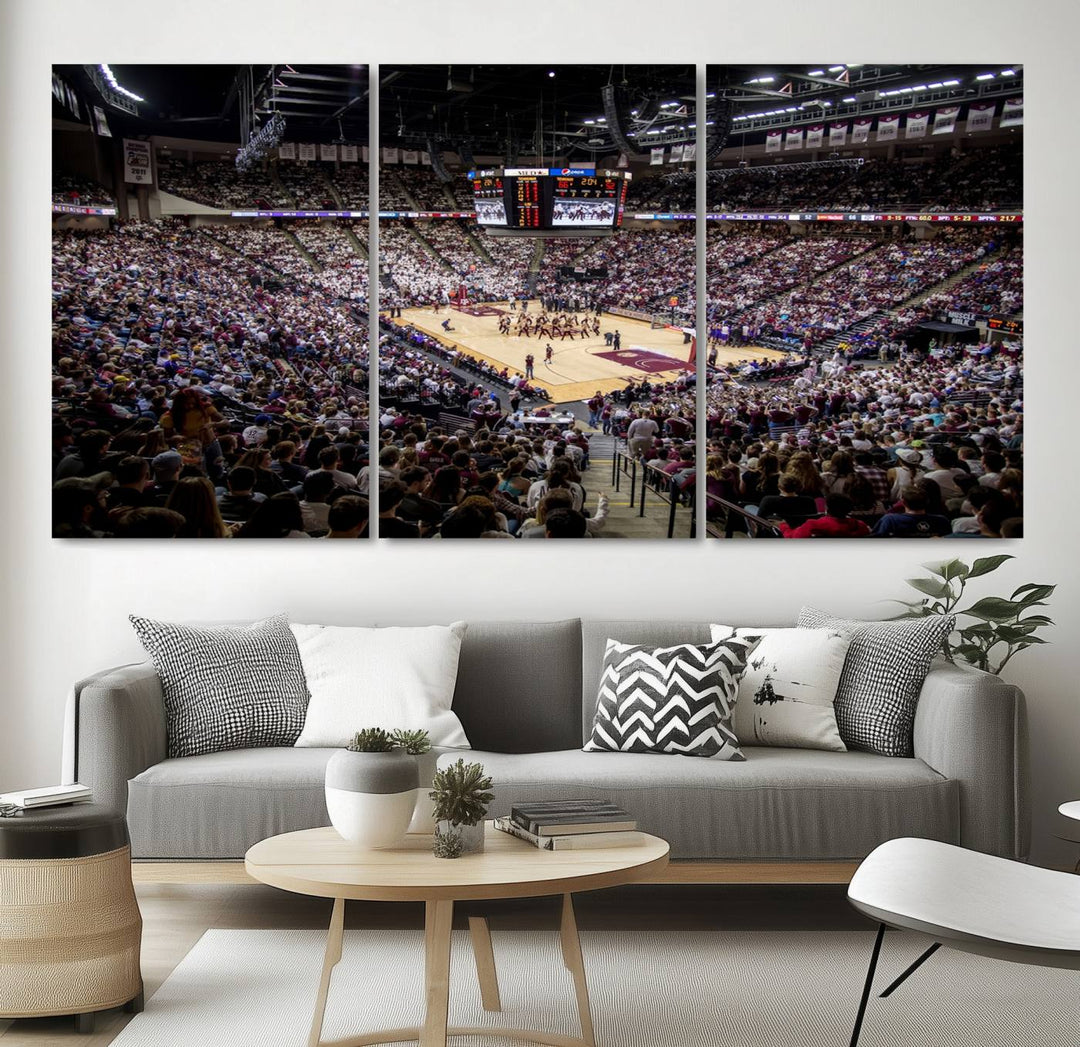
[(499, 334)]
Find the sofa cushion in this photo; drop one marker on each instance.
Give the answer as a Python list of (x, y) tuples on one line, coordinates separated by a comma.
[(781, 804), (519, 685), (219, 804), (594, 638)]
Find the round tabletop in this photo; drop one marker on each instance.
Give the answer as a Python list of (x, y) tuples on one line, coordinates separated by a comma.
[(319, 862)]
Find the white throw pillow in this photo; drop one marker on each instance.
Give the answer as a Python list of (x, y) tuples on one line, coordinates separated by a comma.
[(389, 678), (787, 692)]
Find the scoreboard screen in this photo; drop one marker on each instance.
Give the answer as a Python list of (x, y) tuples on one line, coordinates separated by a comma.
[(488, 196), (588, 200), (549, 198)]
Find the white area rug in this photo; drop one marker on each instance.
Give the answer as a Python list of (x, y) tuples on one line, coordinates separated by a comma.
[(257, 989)]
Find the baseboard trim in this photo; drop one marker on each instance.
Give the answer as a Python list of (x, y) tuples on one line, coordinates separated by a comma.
[(151, 872)]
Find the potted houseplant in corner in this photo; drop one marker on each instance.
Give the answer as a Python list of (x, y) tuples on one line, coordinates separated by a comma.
[(371, 786), (461, 794)]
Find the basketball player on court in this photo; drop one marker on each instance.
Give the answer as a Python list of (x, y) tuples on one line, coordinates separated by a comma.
[(529, 361), (549, 353)]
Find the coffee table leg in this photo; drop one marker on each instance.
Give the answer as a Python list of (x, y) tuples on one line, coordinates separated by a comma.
[(484, 955), (330, 959), (571, 950), (438, 920)]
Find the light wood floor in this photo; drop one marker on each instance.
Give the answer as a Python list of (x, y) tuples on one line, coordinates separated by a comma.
[(176, 915), (576, 372)]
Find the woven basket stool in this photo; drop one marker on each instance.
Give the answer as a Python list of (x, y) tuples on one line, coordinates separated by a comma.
[(70, 927)]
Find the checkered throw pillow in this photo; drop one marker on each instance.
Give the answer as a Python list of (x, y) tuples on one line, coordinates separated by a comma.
[(227, 687), (883, 675), (670, 699)]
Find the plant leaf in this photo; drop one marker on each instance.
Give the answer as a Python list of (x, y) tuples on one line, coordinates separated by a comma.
[(930, 586), (1034, 593), (986, 564), (948, 569), (994, 609), (1037, 619), (980, 629)]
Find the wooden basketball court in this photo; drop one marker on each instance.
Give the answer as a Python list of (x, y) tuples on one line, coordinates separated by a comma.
[(576, 370)]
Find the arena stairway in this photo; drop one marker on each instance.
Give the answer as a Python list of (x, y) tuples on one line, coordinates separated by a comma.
[(229, 249), (829, 346), (276, 179), (358, 245), (535, 263), (391, 176), (949, 281), (477, 246), (426, 245)]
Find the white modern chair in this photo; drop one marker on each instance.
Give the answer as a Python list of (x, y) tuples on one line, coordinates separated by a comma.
[(969, 901)]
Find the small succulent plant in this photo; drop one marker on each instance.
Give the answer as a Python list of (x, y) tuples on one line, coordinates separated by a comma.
[(461, 793), (447, 843), (371, 740), (415, 743)]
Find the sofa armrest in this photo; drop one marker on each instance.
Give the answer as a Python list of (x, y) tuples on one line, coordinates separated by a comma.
[(115, 729), (971, 726)]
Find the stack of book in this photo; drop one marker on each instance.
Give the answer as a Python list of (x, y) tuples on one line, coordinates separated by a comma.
[(566, 825), (50, 796)]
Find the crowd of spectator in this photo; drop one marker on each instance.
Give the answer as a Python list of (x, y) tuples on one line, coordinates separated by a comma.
[(928, 447), (174, 365), (69, 189)]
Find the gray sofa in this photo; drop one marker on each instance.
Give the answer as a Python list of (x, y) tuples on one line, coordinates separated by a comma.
[(525, 695)]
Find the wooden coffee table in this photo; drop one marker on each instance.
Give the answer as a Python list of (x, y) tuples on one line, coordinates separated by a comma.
[(319, 862)]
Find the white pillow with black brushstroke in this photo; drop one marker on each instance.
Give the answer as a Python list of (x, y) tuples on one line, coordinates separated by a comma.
[(787, 691)]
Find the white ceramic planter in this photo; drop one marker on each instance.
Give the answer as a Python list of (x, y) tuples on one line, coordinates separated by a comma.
[(423, 819), (371, 797)]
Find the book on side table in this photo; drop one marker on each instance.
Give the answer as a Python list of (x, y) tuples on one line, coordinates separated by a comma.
[(570, 824), (50, 796)]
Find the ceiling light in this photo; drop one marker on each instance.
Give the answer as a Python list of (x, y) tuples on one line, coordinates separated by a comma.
[(850, 98), (934, 87), (108, 74), (711, 94), (985, 76), (836, 69), (816, 72), (1008, 72), (952, 83), (791, 109), (601, 119), (551, 72)]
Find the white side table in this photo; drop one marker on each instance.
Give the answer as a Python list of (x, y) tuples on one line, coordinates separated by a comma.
[(1071, 809)]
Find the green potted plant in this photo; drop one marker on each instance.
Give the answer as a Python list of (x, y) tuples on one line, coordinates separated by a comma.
[(989, 631), (460, 794), (372, 786)]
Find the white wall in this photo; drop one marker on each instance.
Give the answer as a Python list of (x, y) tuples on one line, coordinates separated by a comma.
[(65, 604)]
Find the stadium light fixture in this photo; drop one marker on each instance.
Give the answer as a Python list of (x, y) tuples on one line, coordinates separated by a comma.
[(836, 69), (108, 74), (850, 98), (951, 83), (589, 123), (551, 72), (791, 109), (934, 87), (711, 94), (986, 76), (1008, 72), (601, 119), (816, 72)]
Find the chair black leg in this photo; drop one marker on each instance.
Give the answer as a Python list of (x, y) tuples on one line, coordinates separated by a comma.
[(84, 1023), (868, 986), (135, 1004), (912, 969)]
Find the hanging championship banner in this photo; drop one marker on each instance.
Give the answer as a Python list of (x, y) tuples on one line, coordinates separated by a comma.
[(773, 140), (915, 125), (656, 156), (814, 135), (945, 119), (980, 116), (676, 155), (793, 139), (838, 133), (623, 161), (348, 154), (327, 152), (1012, 113), (425, 157), (390, 154), (410, 156), (101, 125), (689, 151), (287, 151), (306, 150), (137, 162), (860, 131), (888, 127), (364, 154)]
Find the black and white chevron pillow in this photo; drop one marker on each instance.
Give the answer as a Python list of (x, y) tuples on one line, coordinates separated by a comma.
[(670, 699), (227, 687)]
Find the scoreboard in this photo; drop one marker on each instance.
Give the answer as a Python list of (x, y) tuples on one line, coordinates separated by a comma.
[(539, 198)]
